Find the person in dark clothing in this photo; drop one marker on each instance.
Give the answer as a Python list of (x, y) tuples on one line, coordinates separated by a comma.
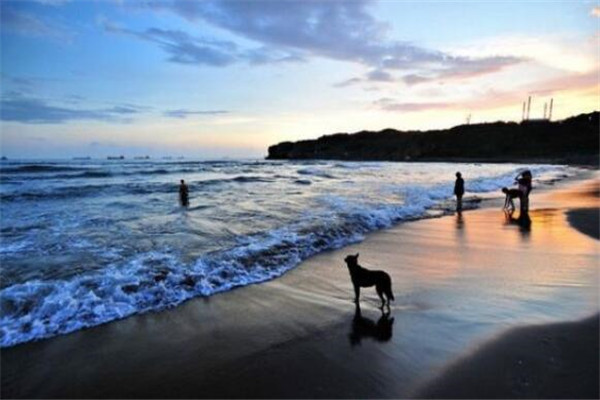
[(524, 181), (183, 194), (459, 190)]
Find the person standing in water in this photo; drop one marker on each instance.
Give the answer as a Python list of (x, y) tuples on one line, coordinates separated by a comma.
[(459, 190), (183, 194)]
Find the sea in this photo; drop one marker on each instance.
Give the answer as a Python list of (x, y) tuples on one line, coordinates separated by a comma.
[(87, 242)]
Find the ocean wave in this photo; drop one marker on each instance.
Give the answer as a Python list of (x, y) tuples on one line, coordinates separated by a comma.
[(78, 191), (302, 182), (248, 179), (316, 172), (32, 168), (159, 279), (83, 173), (89, 190)]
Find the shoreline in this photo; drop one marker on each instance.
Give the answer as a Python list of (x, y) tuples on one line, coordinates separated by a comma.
[(255, 341)]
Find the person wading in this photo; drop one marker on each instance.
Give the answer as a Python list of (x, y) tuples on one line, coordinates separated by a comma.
[(183, 194)]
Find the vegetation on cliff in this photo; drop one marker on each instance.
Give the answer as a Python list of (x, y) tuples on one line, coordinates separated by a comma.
[(576, 139)]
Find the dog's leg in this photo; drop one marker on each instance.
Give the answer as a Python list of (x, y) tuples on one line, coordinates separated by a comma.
[(356, 293), (380, 294)]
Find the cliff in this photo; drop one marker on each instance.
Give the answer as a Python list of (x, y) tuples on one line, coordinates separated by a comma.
[(573, 140)]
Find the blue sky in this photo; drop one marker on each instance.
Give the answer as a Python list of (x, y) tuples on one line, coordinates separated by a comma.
[(229, 78)]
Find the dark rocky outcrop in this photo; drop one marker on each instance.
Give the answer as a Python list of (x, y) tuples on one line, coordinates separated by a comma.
[(573, 140)]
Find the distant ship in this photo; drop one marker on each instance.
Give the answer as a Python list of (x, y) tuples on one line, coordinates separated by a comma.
[(4, 158), (141, 158), (82, 158), (115, 157)]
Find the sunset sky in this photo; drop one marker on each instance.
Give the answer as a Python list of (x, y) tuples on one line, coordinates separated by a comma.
[(229, 78)]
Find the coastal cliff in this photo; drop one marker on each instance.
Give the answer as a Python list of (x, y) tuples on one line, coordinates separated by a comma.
[(573, 140)]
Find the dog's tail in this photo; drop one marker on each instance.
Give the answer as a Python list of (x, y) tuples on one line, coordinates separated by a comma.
[(390, 294)]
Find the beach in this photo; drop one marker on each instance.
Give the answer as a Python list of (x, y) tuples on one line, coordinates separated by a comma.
[(486, 306)]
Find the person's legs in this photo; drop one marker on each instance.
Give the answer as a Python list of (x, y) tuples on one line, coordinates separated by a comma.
[(459, 202), (522, 202)]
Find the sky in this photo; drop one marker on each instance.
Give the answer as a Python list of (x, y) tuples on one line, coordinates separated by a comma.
[(215, 79)]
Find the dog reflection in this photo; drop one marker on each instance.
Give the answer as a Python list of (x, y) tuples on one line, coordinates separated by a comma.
[(363, 327)]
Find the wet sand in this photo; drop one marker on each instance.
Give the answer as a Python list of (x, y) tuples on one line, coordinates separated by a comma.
[(461, 283), (555, 361)]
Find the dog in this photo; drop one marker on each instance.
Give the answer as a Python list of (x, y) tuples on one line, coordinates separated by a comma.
[(362, 277), (510, 195)]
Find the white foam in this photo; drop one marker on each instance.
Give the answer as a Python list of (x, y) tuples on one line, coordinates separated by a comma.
[(157, 280)]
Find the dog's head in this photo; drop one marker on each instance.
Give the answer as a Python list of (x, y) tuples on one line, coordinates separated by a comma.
[(351, 260), (504, 190)]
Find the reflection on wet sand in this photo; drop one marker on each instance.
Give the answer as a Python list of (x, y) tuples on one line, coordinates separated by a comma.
[(523, 221), (363, 327)]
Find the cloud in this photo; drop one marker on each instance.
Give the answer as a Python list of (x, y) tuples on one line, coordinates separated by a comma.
[(388, 104), (26, 24), (347, 82), (342, 30), (182, 114), (375, 75), (184, 48), (463, 68), (595, 12), (378, 75), (570, 83), (265, 55), (415, 79), (38, 111), (334, 29)]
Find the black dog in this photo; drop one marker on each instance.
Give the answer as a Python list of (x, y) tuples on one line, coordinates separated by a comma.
[(362, 277), (510, 195)]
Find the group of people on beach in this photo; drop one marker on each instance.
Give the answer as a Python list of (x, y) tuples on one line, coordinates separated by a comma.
[(523, 180)]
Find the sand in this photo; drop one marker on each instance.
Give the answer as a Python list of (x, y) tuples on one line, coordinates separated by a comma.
[(544, 362), (465, 289)]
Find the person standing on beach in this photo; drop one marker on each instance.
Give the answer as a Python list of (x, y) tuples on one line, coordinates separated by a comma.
[(183, 194), (459, 190), (524, 180)]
